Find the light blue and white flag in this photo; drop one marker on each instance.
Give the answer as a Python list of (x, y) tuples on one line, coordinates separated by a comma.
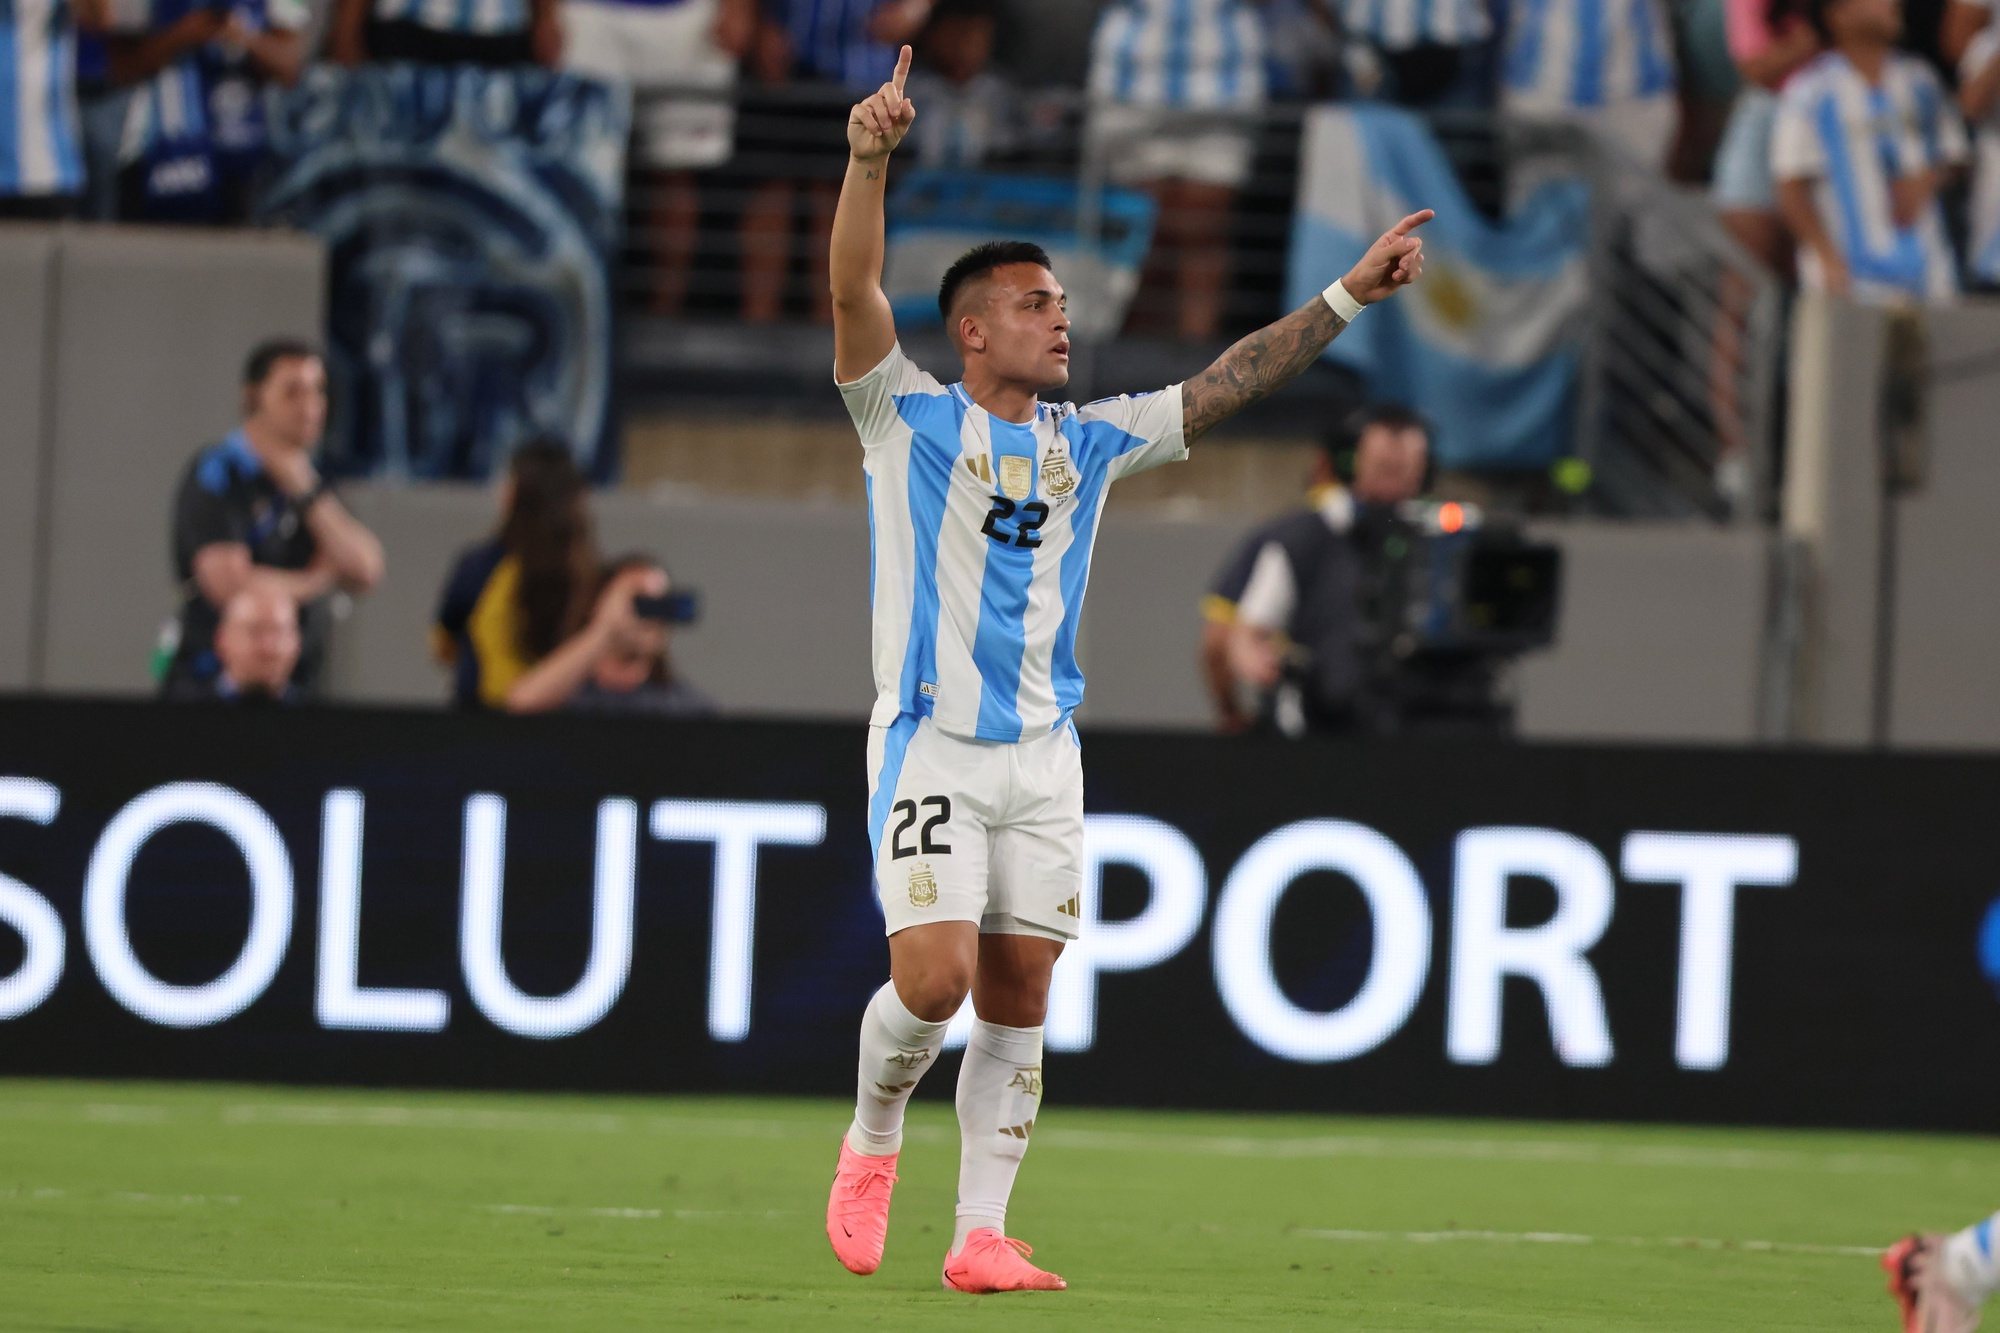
[(1489, 343), (936, 216)]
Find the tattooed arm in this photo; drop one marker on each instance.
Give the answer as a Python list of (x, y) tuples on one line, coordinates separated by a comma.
[(1278, 352), (864, 329)]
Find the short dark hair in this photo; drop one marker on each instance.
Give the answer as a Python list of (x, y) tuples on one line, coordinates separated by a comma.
[(981, 260), (266, 355), (1343, 443)]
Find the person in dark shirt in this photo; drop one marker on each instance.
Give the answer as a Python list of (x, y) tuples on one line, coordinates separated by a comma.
[(255, 504), (1303, 612), (257, 647)]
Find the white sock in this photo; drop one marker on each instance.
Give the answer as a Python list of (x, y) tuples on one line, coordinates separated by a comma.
[(999, 1093), (1972, 1260), (897, 1048)]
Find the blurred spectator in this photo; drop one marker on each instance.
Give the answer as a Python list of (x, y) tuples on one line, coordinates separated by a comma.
[(195, 142), (1608, 64), (679, 58), (1865, 137), (789, 136), (618, 662), (969, 114), (1299, 637), (511, 600), (1771, 40), (254, 504), (1175, 88), (257, 647), (41, 159), (1963, 19), (1225, 593), (1979, 98), (497, 33), (102, 105), (1436, 53)]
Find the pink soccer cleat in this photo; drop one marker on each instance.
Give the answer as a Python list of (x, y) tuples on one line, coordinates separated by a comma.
[(1917, 1281), (857, 1211), (992, 1262)]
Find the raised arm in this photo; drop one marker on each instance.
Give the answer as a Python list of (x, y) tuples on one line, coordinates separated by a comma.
[(864, 329), (1276, 353)]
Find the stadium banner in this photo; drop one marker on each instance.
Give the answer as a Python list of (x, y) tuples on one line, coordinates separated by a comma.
[(412, 898), (472, 219), (1489, 344), (936, 216)]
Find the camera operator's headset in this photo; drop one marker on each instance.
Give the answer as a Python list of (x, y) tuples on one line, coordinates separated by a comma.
[(1344, 444)]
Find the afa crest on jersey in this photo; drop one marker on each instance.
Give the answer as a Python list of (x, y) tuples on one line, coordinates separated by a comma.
[(923, 885), (1058, 477)]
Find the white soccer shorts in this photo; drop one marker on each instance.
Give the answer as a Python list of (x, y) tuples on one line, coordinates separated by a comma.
[(980, 831)]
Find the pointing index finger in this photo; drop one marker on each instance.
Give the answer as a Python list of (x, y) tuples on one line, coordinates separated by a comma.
[(902, 69), (1412, 222)]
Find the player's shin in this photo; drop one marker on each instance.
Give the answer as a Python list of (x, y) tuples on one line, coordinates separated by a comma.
[(897, 1048), (999, 1094)]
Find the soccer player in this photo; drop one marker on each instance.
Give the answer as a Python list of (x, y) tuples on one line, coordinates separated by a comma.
[(1941, 1281), (984, 501)]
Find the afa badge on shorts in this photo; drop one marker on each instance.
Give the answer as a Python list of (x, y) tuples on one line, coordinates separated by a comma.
[(1017, 476), (923, 885)]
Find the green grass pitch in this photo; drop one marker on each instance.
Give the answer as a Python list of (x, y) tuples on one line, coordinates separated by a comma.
[(174, 1206)]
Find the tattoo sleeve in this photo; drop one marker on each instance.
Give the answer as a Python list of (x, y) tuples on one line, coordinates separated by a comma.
[(1257, 364)]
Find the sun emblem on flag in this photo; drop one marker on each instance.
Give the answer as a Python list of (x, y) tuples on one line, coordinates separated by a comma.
[(1058, 478), (923, 885)]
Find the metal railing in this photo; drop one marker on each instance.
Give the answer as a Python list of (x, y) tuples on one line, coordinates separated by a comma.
[(1679, 382)]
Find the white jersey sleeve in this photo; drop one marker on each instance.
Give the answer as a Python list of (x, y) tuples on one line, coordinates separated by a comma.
[(871, 400), (1796, 150), (1147, 429)]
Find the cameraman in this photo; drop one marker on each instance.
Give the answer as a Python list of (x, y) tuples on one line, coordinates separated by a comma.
[(618, 661), (1307, 633)]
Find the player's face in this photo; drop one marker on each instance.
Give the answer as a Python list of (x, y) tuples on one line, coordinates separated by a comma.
[(1389, 465), (1027, 327)]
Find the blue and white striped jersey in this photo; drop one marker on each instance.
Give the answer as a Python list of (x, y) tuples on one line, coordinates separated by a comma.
[(477, 18), (39, 133), (1983, 257), (1853, 139), (1398, 25), (1578, 55), (980, 533), (1179, 53)]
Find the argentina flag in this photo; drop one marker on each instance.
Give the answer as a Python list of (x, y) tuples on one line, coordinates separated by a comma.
[(1489, 344)]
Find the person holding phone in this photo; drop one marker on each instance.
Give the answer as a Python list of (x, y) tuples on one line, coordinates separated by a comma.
[(618, 661)]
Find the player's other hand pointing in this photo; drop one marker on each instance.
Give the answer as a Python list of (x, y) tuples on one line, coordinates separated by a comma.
[(878, 123), (1395, 261)]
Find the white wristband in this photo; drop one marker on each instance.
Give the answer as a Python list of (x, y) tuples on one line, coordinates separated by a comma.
[(1342, 301)]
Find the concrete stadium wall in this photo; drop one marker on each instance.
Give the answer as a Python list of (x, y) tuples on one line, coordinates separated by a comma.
[(1661, 639), (1923, 566), (1946, 668), (27, 272)]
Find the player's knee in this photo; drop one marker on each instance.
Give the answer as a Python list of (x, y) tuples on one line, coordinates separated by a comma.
[(935, 991)]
